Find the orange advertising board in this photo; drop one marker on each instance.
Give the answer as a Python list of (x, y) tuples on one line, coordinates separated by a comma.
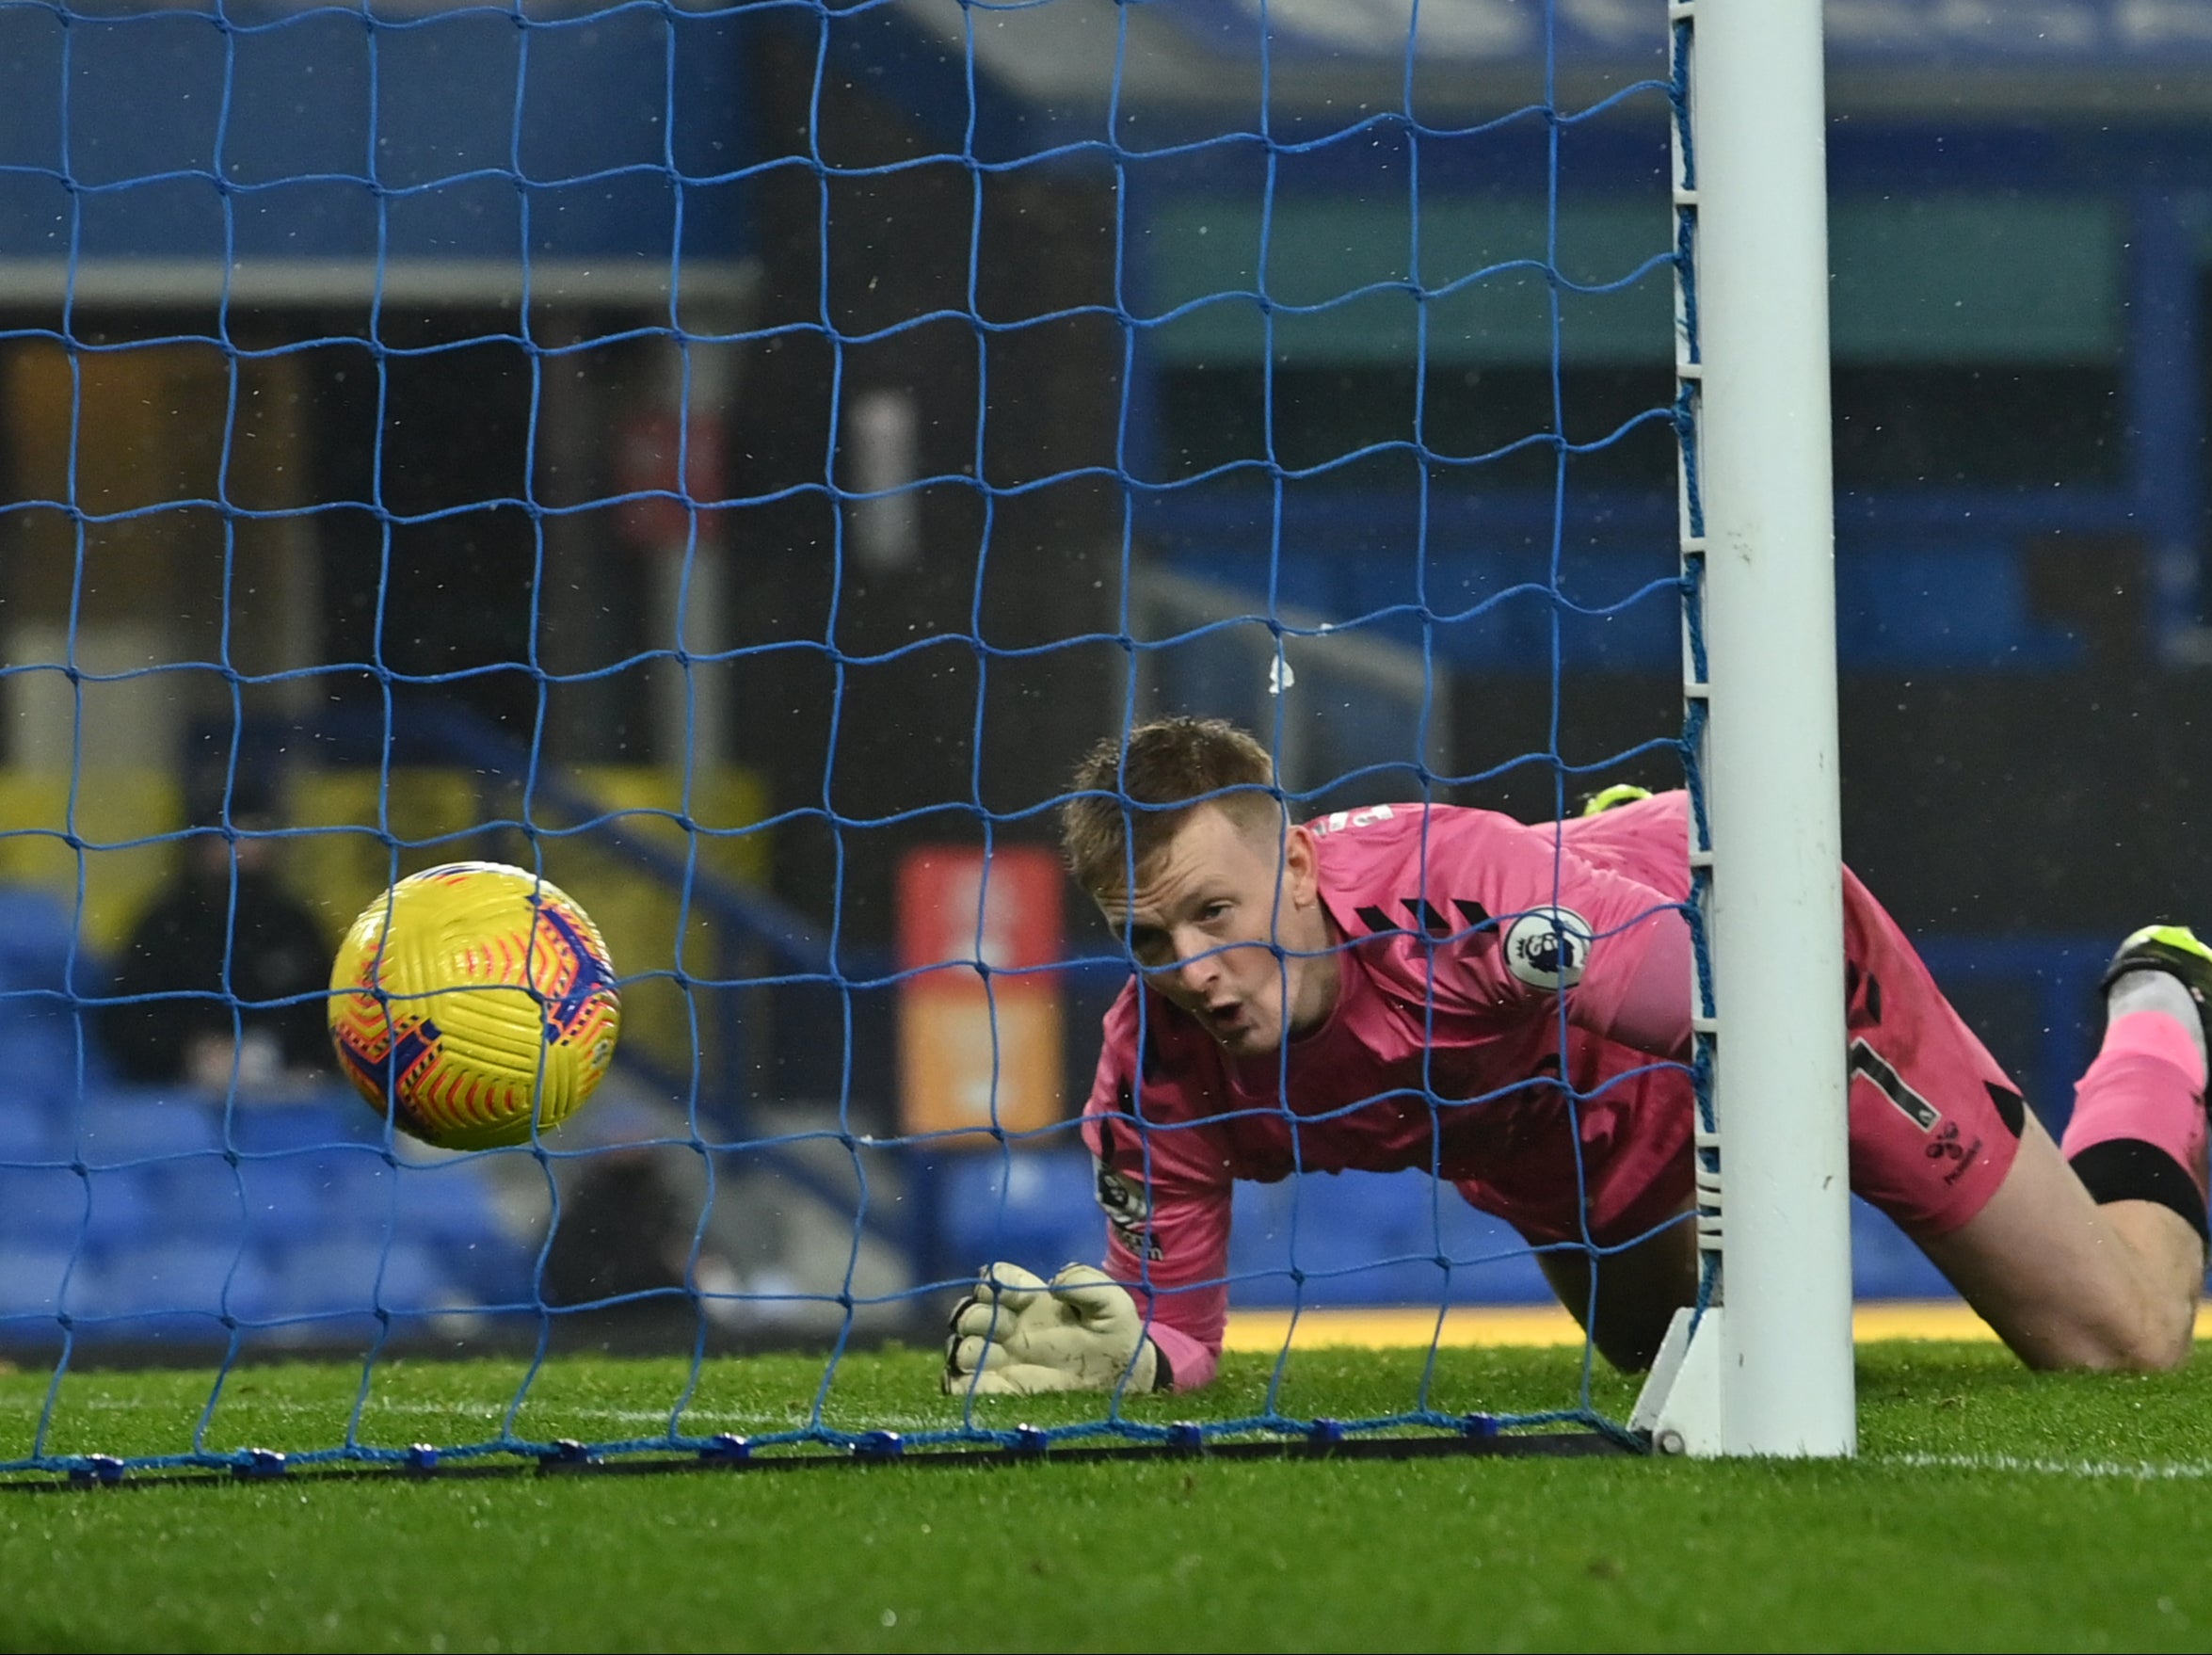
[(980, 1036)]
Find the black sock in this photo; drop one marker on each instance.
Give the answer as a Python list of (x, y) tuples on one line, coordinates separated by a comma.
[(2129, 1169)]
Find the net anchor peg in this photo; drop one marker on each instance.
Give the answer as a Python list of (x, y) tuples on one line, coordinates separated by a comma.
[(727, 1448), (99, 1470), (1684, 195), (1679, 1410), (879, 1445), (1681, 11), (257, 1463)]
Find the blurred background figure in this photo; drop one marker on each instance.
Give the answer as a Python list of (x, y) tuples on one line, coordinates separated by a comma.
[(622, 1243), (633, 1209), (223, 929)]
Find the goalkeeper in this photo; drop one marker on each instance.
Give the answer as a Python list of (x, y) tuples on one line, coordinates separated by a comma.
[(1407, 986)]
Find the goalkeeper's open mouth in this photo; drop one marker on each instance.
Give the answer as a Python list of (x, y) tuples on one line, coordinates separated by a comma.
[(1242, 1028), (1226, 1018)]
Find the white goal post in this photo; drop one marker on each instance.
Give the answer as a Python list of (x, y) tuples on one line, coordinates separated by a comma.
[(1768, 1369)]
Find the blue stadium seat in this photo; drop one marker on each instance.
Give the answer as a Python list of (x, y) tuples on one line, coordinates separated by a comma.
[(1366, 1218), (40, 1028), (135, 1123), (36, 938), (1347, 1224), (335, 1116), (298, 1224), (29, 1133), (30, 1285), (343, 1276), (168, 1287), (42, 1069), (353, 1184), (192, 1198), (308, 1195), (128, 1206), (281, 1194), (40, 1206), (1034, 1208), (494, 1270), (447, 1205), (1038, 1210), (1885, 1264)]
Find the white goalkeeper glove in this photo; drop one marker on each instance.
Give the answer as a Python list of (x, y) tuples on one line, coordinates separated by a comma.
[(1016, 1336)]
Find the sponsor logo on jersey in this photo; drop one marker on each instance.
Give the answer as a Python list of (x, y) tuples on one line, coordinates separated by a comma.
[(1129, 1207), (1549, 947), (1947, 1147), (1337, 821)]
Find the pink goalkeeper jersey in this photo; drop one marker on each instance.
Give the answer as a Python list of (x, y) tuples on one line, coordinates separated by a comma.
[(1483, 959)]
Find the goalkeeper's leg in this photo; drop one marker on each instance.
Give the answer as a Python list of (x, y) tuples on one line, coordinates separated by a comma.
[(2092, 1255)]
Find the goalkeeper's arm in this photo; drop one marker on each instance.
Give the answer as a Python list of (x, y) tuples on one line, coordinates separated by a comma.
[(1016, 1335)]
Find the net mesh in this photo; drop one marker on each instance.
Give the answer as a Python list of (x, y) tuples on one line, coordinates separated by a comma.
[(730, 463)]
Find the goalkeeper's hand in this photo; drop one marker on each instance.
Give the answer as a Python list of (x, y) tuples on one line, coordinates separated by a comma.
[(1016, 1336)]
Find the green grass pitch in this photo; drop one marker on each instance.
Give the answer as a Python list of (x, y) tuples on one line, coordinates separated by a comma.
[(1990, 1509)]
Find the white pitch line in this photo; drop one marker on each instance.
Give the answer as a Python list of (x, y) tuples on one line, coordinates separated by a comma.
[(2140, 1472)]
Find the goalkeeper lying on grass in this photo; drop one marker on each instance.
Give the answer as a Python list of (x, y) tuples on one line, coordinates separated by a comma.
[(1324, 997)]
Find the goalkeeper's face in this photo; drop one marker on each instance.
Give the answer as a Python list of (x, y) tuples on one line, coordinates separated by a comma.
[(1227, 922)]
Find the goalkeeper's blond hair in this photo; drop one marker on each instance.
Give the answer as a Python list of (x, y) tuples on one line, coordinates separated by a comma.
[(1173, 765)]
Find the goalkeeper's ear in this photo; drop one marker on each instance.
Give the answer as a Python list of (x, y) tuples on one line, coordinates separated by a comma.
[(1301, 868)]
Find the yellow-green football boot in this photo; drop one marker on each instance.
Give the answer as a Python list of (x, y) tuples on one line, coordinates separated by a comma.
[(2175, 950), (1621, 792)]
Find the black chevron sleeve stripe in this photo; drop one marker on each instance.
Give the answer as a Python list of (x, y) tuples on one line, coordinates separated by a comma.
[(1425, 915)]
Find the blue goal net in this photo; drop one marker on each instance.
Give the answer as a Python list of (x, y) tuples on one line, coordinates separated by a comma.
[(731, 463)]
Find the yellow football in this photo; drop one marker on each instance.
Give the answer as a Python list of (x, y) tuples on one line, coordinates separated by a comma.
[(476, 1001)]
